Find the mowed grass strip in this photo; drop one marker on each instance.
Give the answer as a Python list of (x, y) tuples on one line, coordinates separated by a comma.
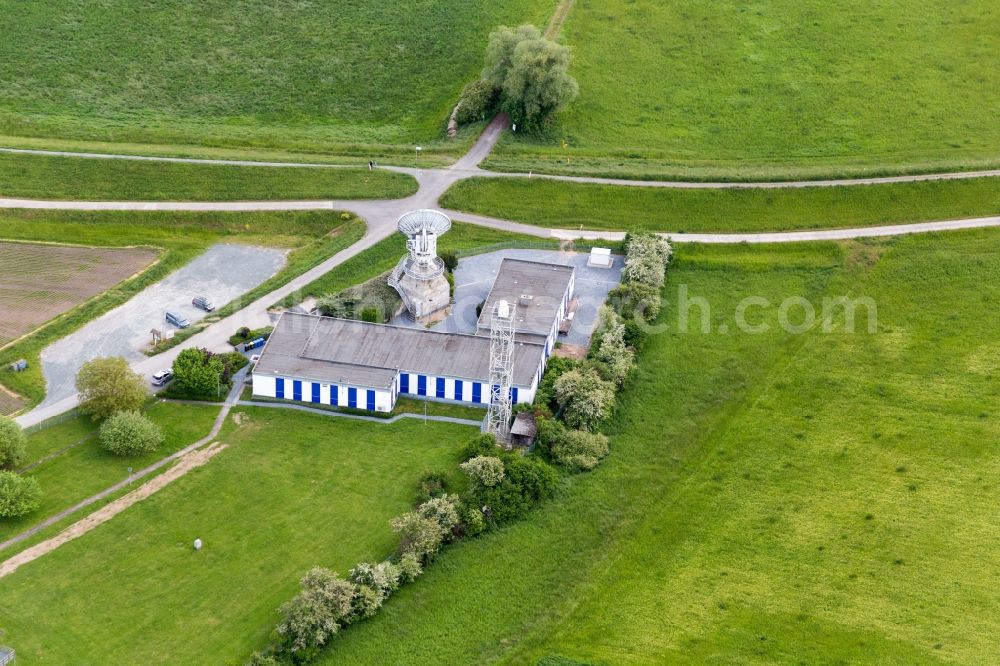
[(83, 178), (569, 205), (790, 88), (79, 467), (291, 491), (769, 498)]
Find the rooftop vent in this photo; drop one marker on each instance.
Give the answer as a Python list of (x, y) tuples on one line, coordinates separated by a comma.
[(525, 299)]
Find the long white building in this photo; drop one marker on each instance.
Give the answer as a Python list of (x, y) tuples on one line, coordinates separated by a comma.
[(360, 365)]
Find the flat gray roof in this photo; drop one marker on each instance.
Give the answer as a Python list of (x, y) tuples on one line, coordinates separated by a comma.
[(545, 283), (360, 353)]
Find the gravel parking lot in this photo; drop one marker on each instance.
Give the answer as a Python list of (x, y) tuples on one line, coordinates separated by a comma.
[(474, 277), (222, 273)]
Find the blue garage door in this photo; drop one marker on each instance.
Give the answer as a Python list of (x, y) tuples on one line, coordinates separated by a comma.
[(371, 401), (296, 390), (404, 383), (458, 389), (513, 394), (421, 385), (279, 387), (352, 398), (315, 392), (439, 393), (334, 394), (477, 393)]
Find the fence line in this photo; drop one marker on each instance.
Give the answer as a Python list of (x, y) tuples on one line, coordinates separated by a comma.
[(53, 421)]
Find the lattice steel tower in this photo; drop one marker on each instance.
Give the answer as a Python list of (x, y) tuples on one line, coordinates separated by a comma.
[(501, 370)]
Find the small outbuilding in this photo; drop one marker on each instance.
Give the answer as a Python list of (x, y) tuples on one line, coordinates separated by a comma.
[(524, 430)]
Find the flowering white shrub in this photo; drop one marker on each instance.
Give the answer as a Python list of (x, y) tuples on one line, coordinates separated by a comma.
[(486, 471)]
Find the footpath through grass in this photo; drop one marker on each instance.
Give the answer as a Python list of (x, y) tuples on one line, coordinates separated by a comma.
[(79, 467), (360, 78), (769, 498), (568, 205), (291, 491), (788, 88), (310, 238), (90, 179)]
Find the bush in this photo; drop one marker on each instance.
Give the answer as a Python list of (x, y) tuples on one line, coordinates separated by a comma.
[(485, 471), (526, 481), (611, 350), (450, 277), (478, 101), (373, 585), (575, 449), (12, 443), (636, 301), (371, 314), (646, 259), (262, 659), (584, 397), (409, 568), (245, 334), (19, 495), (418, 536), (198, 373), (432, 484), (480, 445), (545, 396), (129, 434), (108, 385), (450, 260), (442, 510), (531, 73), (315, 613)]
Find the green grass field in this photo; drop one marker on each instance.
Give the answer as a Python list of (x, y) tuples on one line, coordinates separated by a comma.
[(291, 491), (569, 205), (47, 177), (791, 88), (70, 464), (310, 238), (351, 78), (772, 498)]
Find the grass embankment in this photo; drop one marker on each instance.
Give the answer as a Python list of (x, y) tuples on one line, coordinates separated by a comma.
[(79, 467), (769, 498), (550, 203), (291, 491), (261, 75), (179, 237), (89, 179), (792, 88)]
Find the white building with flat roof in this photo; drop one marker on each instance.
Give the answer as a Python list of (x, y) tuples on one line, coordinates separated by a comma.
[(361, 365)]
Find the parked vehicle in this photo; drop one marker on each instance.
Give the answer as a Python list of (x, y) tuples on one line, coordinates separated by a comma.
[(162, 377), (203, 303), (178, 320)]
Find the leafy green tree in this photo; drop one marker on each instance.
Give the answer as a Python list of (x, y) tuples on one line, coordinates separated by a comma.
[(198, 373), (108, 385), (486, 471), (12, 442), (129, 434), (585, 398), (19, 495), (531, 73)]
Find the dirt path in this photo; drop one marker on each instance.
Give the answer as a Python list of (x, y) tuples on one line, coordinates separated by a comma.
[(78, 529), (556, 24)]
